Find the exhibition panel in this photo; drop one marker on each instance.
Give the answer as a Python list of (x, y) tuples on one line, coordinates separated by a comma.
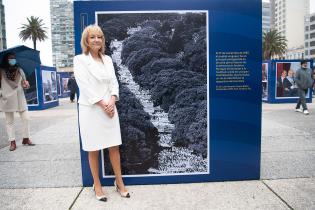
[(190, 94)]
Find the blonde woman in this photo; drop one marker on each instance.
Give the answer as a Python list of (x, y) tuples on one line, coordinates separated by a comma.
[(98, 117)]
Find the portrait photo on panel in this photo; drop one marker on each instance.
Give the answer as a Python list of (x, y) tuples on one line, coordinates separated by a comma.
[(49, 86)]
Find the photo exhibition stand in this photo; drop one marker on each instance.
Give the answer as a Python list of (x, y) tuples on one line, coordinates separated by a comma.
[(275, 89), (62, 84), (42, 93), (190, 92)]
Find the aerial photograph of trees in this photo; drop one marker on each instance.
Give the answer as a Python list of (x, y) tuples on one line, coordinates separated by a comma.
[(160, 60)]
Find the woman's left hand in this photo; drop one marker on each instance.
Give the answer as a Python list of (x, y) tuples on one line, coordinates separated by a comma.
[(25, 84), (110, 107)]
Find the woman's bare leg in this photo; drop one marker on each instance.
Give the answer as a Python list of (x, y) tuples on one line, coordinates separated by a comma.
[(94, 166), (114, 156)]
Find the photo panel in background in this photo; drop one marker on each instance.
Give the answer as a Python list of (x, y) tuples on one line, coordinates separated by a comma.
[(285, 86), (31, 93), (49, 86), (65, 88)]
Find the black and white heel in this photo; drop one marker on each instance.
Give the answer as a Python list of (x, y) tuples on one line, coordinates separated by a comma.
[(122, 194), (100, 198)]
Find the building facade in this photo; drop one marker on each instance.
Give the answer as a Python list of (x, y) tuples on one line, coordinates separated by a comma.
[(295, 53), (289, 21), (272, 14), (266, 17), (3, 40), (309, 44), (62, 33)]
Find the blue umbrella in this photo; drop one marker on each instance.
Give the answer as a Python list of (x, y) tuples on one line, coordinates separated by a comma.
[(27, 58)]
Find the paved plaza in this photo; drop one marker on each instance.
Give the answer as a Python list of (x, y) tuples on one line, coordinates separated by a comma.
[(48, 176)]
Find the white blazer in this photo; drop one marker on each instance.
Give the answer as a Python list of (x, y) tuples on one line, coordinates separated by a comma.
[(95, 83), (12, 99)]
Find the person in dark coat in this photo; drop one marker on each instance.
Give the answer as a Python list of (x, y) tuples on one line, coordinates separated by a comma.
[(280, 84), (304, 81), (72, 86)]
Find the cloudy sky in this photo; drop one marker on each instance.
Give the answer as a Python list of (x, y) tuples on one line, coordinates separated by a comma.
[(16, 12)]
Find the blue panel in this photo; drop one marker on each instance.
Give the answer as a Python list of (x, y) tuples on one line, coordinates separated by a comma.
[(235, 116), (39, 78)]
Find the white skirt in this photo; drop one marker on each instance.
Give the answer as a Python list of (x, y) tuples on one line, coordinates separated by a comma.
[(98, 131)]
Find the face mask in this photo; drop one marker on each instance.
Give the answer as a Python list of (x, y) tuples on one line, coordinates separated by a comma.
[(12, 62)]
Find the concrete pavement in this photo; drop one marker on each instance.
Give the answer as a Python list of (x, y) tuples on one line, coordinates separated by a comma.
[(48, 176)]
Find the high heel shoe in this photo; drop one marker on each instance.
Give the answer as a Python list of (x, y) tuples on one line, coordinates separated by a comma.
[(100, 198), (122, 194)]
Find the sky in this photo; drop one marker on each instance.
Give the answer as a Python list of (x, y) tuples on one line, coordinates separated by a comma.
[(16, 12)]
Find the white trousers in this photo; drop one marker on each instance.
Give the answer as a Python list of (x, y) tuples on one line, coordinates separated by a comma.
[(9, 117)]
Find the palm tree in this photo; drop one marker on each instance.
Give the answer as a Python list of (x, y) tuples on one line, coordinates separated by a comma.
[(273, 44), (33, 30)]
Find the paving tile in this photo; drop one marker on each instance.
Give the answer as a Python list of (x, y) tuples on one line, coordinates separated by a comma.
[(224, 195), (38, 199), (30, 174), (298, 193), (295, 164)]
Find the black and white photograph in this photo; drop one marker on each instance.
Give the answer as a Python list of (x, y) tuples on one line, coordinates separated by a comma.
[(58, 84), (49, 86), (264, 81), (161, 62), (31, 94), (65, 88)]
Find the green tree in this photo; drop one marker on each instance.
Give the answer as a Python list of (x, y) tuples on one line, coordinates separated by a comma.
[(34, 29), (273, 44)]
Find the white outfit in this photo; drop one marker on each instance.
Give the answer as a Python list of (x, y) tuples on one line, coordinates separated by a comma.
[(96, 81), (12, 99), (9, 118)]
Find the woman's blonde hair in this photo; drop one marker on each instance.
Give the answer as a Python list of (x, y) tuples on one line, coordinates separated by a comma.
[(85, 35)]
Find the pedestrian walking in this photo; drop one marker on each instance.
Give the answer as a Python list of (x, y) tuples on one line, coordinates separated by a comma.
[(304, 81), (72, 86)]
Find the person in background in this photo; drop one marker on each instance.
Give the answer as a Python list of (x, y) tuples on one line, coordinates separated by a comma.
[(280, 83), (304, 80), (95, 75), (12, 98), (72, 86)]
